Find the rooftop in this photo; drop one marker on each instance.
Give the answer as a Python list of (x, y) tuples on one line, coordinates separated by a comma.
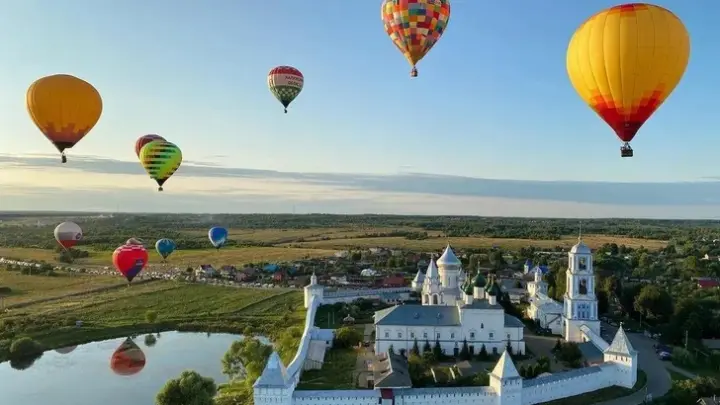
[(505, 368), (448, 257), (274, 374), (621, 344), (391, 371)]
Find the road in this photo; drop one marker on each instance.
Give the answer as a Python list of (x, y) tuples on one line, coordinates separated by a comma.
[(658, 379)]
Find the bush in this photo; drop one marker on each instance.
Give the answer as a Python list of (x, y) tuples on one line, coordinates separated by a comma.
[(25, 347)]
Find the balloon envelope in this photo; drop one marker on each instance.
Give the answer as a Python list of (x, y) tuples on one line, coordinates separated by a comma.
[(218, 236), (285, 83), (130, 260), (135, 241), (128, 359), (68, 234), (165, 247), (625, 61), (160, 159), (415, 26), (144, 140), (64, 108)]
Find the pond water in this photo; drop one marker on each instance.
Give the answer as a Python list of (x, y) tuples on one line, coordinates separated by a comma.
[(104, 373)]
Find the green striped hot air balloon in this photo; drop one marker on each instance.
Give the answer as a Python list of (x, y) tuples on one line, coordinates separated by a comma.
[(160, 159)]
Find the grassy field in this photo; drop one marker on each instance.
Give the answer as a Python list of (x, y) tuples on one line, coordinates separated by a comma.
[(179, 306), (594, 241), (25, 288), (182, 258), (277, 236), (337, 372)]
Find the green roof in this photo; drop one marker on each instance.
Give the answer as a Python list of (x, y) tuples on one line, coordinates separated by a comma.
[(479, 280), (468, 287)]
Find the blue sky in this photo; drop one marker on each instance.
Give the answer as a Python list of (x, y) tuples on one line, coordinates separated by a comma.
[(492, 100)]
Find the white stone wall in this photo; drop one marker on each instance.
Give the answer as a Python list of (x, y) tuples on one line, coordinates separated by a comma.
[(570, 386), (453, 396)]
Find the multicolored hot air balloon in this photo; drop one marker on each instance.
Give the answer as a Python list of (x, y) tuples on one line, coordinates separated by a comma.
[(128, 359), (625, 61), (165, 247), (415, 26), (160, 159), (218, 236), (64, 108), (144, 140), (285, 83), (130, 260), (68, 234)]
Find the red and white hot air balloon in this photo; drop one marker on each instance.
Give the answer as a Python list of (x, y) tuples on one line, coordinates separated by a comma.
[(68, 234)]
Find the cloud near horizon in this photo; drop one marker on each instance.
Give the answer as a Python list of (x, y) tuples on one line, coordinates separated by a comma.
[(40, 182)]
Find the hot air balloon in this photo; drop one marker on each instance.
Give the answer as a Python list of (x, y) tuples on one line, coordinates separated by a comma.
[(144, 140), (160, 159), (64, 108), (415, 26), (625, 61), (135, 241), (128, 359), (165, 247), (68, 234), (66, 350), (218, 236), (285, 83), (130, 260)]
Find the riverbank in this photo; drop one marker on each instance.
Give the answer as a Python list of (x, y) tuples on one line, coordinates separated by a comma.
[(152, 307)]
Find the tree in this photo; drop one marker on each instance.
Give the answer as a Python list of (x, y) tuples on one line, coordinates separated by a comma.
[(347, 337), (509, 348), (570, 354), (415, 348), (465, 351), (558, 346), (189, 389), (416, 368), (426, 347), (391, 349), (246, 359), (151, 316), (654, 303), (437, 350), (482, 354)]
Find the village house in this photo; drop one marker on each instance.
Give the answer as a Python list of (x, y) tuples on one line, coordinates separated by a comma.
[(206, 271)]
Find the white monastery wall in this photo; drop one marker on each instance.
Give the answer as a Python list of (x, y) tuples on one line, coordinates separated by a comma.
[(336, 397), (447, 396), (567, 387)]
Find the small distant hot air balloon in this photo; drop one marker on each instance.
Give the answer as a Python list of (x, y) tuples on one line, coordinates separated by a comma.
[(66, 350), (130, 260), (128, 359), (68, 234), (415, 26), (218, 236), (625, 61), (64, 108), (144, 140), (285, 83), (165, 247), (160, 159)]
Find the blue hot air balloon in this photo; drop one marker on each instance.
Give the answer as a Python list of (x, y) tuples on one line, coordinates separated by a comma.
[(218, 236), (165, 247)]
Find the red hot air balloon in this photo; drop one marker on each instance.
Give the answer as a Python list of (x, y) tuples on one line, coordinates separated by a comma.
[(128, 359), (144, 140), (130, 260)]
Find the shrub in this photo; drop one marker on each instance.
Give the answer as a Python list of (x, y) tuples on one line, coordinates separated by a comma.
[(25, 347)]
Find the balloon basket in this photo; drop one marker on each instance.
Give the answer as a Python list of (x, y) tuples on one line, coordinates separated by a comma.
[(626, 151), (413, 73), (63, 159), (160, 189), (286, 111)]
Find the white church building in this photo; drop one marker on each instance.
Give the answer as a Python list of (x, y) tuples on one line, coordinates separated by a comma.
[(455, 308), (577, 316)]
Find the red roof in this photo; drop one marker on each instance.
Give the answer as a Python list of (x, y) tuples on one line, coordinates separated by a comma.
[(708, 283)]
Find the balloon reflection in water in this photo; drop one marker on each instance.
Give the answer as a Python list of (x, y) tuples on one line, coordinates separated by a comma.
[(127, 359), (66, 350)]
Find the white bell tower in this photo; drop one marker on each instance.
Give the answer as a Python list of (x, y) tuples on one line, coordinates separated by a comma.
[(580, 303)]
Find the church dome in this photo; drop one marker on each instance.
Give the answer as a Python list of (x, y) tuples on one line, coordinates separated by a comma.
[(492, 288), (581, 249), (448, 258), (479, 280), (468, 287)]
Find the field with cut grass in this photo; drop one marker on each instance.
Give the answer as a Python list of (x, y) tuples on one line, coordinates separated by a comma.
[(179, 306), (181, 258), (276, 236), (25, 288), (594, 241)]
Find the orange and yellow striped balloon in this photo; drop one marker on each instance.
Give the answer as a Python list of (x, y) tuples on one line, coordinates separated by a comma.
[(625, 61)]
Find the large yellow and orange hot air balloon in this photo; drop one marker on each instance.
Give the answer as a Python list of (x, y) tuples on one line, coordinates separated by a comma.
[(625, 61), (64, 108)]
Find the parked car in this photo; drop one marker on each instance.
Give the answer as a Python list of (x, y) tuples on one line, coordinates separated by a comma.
[(664, 356)]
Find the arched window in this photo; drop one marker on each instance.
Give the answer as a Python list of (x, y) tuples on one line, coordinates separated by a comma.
[(435, 299)]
